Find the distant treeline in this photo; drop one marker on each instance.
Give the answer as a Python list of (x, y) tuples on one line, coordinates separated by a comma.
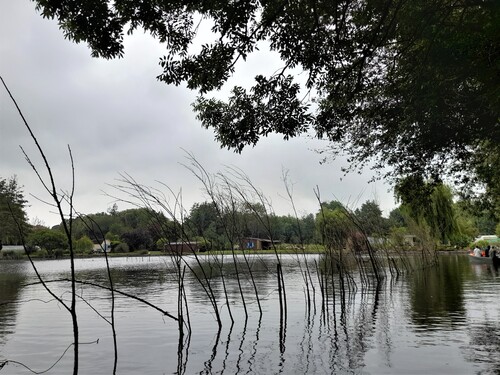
[(428, 210)]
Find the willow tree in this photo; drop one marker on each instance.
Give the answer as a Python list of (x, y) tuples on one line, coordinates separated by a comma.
[(334, 225), (428, 204), (408, 84)]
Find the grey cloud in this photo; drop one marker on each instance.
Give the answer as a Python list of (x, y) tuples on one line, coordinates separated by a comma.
[(118, 119)]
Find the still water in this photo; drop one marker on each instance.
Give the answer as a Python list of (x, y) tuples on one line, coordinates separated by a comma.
[(441, 320)]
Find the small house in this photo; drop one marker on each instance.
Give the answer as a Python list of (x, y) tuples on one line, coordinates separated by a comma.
[(252, 243), (410, 239), (104, 246)]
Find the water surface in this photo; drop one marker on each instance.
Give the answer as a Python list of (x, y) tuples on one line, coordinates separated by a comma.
[(440, 320)]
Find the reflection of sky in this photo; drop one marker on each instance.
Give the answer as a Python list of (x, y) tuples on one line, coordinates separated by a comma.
[(379, 333), (482, 293)]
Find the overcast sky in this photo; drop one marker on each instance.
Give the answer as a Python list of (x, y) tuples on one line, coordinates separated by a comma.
[(117, 118)]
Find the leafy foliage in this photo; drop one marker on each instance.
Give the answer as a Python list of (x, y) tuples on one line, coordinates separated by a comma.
[(370, 218), (429, 204), (411, 84), (13, 218), (487, 165), (334, 225), (48, 239), (122, 247), (397, 219), (84, 245), (138, 239), (114, 225), (467, 229), (482, 218), (212, 227)]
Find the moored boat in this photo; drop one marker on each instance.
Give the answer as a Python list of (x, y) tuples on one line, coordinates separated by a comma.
[(482, 260)]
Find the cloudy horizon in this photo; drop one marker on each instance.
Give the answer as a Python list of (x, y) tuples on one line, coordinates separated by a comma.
[(118, 119)]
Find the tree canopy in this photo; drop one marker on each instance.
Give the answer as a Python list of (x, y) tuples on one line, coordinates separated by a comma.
[(407, 84), (333, 224), (370, 218), (48, 239), (13, 218), (429, 205)]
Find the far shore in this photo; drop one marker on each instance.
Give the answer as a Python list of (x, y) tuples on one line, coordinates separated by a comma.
[(18, 255)]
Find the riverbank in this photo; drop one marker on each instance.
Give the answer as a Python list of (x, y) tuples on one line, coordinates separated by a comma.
[(312, 249), (146, 253)]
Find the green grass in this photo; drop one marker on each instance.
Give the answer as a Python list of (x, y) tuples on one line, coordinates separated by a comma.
[(281, 249)]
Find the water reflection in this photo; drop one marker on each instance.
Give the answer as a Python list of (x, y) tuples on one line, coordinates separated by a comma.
[(259, 267), (484, 346), (434, 314), (12, 278), (437, 294)]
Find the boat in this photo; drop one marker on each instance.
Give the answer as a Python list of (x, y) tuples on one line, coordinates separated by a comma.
[(483, 260)]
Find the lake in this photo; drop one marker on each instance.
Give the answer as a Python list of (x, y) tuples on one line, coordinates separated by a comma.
[(437, 320)]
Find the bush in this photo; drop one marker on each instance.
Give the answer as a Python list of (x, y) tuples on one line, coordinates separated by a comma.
[(137, 239), (31, 249), (122, 247), (84, 245), (114, 244), (41, 254), (48, 239), (161, 244), (203, 244), (460, 240), (11, 254), (481, 244)]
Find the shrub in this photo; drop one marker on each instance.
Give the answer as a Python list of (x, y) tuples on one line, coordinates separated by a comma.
[(48, 239), (161, 244), (41, 254), (113, 245), (122, 247), (460, 240), (11, 254), (31, 249), (481, 244), (84, 245)]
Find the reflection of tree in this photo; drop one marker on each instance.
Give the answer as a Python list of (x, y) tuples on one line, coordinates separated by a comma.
[(10, 285), (358, 328), (437, 293), (133, 278), (261, 270)]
